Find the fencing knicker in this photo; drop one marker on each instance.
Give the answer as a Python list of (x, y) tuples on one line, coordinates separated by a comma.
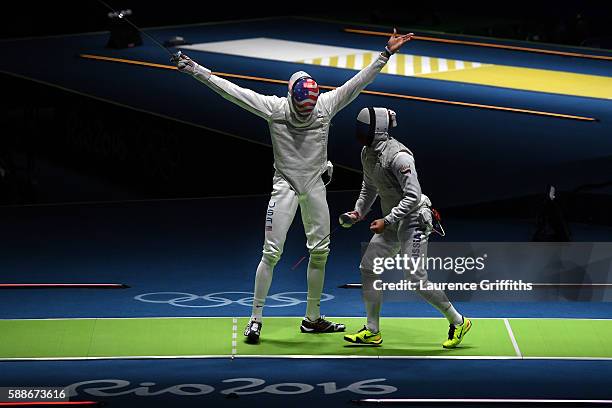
[(410, 237), (281, 210)]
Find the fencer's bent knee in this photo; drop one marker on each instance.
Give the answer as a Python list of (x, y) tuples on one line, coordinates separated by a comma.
[(319, 256), (367, 272), (368, 287)]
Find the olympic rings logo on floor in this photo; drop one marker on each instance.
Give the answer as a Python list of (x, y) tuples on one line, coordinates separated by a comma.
[(220, 299)]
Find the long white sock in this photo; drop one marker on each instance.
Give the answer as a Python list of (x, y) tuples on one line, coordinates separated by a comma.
[(453, 315), (373, 313), (439, 300), (372, 299), (315, 277), (263, 280)]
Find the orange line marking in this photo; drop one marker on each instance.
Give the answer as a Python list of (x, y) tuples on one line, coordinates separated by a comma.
[(481, 44), (386, 94)]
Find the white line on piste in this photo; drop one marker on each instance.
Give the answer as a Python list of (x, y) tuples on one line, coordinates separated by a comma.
[(350, 356), (234, 336), (264, 356), (553, 284), (302, 356), (297, 317), (573, 284), (185, 357), (517, 350), (481, 400), (518, 355)]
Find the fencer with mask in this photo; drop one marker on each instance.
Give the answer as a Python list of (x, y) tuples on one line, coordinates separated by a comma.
[(389, 172), (299, 127)]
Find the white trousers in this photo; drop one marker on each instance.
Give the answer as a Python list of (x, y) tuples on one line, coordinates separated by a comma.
[(282, 207), (283, 204)]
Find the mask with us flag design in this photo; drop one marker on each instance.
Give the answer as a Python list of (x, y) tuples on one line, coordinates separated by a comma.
[(304, 92)]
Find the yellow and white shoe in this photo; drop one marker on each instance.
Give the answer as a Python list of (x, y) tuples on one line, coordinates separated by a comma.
[(364, 336), (456, 333)]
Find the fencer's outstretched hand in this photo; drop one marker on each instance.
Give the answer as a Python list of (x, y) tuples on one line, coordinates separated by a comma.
[(349, 218), (184, 63), (397, 41), (377, 226)]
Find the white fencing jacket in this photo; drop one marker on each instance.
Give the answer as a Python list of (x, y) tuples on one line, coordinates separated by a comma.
[(389, 172), (299, 144)]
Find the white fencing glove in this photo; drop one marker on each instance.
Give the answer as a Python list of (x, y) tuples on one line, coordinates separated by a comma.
[(183, 63), (189, 66), (425, 219), (349, 218)]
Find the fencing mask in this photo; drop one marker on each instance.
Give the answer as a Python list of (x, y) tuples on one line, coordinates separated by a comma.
[(373, 124), (304, 92)]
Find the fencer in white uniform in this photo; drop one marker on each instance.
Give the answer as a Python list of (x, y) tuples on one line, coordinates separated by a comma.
[(299, 126), (389, 172)]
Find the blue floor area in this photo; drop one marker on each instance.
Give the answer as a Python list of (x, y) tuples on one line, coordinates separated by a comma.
[(178, 246), (192, 383), (565, 153), (207, 250)]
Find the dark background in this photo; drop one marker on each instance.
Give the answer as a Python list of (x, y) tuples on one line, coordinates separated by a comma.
[(568, 22), (61, 147)]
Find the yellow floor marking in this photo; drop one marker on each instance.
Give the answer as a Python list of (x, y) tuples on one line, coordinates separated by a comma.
[(530, 79), (368, 92), (416, 62), (350, 61), (433, 65), (483, 44), (401, 62)]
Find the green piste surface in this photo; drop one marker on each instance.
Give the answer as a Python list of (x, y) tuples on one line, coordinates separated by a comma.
[(114, 337), (411, 337), (563, 337), (401, 337)]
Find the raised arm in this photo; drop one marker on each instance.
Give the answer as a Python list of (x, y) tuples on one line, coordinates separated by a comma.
[(260, 105), (340, 97)]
